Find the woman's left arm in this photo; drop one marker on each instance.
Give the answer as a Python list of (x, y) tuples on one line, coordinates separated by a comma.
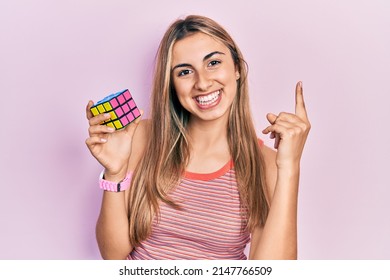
[(278, 238)]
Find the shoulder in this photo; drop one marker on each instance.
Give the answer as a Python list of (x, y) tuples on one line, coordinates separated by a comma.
[(139, 143), (268, 153), (269, 156)]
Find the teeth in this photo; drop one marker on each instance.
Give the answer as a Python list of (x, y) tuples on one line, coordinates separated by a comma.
[(208, 99)]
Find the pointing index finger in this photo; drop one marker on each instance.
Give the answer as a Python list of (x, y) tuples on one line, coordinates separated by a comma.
[(300, 109)]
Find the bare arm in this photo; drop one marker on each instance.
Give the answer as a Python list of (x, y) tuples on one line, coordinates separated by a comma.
[(118, 152), (112, 228), (278, 238)]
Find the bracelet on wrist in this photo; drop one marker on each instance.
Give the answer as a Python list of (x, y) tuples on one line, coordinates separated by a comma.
[(115, 186)]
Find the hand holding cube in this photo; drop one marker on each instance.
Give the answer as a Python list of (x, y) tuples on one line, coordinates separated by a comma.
[(112, 124)]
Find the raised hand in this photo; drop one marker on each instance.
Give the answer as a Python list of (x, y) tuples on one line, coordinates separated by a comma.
[(110, 147), (290, 131)]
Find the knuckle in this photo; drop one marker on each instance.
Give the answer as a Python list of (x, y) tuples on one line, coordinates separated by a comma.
[(290, 133), (297, 130), (294, 131), (92, 121), (282, 115), (97, 120), (305, 127)]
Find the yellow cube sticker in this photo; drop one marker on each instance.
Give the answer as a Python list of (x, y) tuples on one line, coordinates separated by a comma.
[(118, 124), (101, 108), (113, 115), (94, 111), (107, 106)]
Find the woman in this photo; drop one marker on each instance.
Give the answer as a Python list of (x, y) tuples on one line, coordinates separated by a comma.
[(202, 184)]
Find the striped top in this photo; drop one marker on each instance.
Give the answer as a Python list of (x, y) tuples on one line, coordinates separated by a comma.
[(208, 226)]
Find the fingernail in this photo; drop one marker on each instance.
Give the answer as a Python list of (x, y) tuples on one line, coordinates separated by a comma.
[(107, 115), (111, 129), (103, 140), (300, 84)]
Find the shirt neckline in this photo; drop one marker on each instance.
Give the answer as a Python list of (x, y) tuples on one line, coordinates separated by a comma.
[(209, 176)]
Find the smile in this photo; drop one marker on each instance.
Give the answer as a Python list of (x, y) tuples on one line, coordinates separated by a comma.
[(209, 100)]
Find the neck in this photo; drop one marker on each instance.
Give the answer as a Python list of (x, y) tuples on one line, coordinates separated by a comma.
[(204, 135)]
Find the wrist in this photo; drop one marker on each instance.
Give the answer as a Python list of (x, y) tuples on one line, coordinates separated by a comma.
[(288, 165), (288, 174), (287, 181), (115, 176)]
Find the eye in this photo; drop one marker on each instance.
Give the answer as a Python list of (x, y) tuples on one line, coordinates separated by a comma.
[(214, 63), (184, 72)]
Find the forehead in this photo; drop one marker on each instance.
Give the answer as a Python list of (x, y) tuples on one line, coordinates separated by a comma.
[(196, 47)]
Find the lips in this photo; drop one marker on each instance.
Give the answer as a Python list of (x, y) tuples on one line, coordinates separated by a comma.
[(208, 100)]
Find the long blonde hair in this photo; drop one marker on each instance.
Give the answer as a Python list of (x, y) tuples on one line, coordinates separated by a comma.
[(167, 151)]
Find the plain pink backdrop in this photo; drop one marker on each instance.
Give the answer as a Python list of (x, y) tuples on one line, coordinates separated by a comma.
[(56, 55)]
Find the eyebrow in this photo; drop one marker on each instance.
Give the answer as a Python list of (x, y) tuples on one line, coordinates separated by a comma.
[(205, 58)]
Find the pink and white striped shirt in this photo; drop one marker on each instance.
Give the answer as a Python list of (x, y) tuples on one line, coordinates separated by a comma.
[(208, 226)]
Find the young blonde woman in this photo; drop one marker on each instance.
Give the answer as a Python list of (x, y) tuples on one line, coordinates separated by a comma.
[(201, 185)]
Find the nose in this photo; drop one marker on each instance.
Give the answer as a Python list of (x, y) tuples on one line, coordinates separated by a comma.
[(203, 81)]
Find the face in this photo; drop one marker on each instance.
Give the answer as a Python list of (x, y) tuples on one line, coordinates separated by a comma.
[(204, 76)]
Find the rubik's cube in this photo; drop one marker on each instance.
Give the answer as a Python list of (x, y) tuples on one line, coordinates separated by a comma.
[(120, 106)]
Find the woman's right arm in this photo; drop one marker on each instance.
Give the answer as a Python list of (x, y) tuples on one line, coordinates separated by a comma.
[(112, 228), (118, 152)]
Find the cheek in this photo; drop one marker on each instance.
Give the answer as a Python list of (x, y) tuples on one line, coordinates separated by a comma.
[(182, 88), (226, 75), (181, 92)]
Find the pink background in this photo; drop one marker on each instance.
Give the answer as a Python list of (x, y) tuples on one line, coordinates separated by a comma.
[(56, 55)]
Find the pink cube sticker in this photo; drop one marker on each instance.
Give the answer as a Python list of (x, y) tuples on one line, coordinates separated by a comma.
[(119, 112), (121, 99), (126, 108), (127, 95), (136, 112), (114, 103), (130, 117), (124, 121), (132, 104)]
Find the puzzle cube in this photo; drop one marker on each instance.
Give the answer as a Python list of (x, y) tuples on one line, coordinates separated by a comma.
[(120, 106)]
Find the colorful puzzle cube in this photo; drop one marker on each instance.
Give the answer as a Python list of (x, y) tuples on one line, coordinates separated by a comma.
[(120, 106)]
